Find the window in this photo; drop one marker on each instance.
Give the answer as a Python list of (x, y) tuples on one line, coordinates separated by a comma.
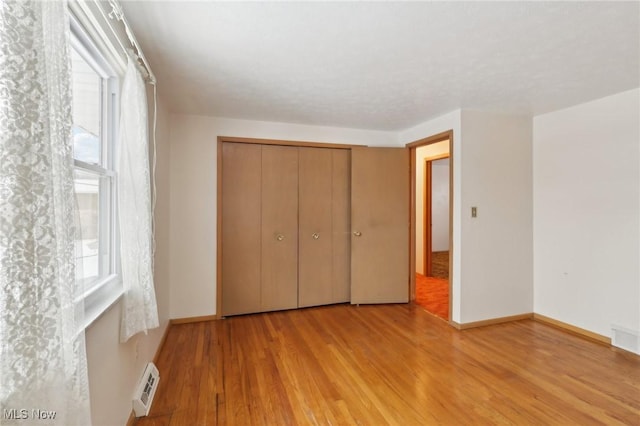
[(94, 119)]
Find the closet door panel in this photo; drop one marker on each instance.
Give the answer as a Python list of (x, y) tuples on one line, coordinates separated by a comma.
[(241, 186), (341, 222), (315, 210), (279, 237), (380, 224)]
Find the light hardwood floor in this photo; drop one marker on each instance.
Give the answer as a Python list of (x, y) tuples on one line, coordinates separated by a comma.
[(388, 364)]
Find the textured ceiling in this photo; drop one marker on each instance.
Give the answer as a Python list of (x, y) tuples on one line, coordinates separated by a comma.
[(385, 66)]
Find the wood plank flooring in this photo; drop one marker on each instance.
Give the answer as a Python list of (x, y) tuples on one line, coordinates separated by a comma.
[(433, 295), (388, 365)]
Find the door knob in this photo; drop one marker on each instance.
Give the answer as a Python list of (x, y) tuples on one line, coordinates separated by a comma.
[(280, 237), (357, 233), (315, 235)]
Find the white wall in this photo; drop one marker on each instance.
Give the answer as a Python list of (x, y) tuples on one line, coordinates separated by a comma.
[(586, 213), (194, 196), (497, 245), (423, 153), (440, 205), (114, 368), (449, 121)]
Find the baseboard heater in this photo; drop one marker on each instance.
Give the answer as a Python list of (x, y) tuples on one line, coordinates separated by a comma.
[(625, 338), (146, 390)]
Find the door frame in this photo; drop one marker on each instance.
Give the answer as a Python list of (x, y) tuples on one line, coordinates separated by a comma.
[(439, 137), (427, 237)]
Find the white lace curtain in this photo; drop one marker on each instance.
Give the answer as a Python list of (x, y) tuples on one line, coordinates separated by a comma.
[(140, 311), (42, 352)]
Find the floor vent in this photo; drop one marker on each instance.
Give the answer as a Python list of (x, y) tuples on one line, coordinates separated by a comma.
[(626, 339), (146, 390)]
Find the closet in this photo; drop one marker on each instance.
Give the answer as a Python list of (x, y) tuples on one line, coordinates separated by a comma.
[(285, 227)]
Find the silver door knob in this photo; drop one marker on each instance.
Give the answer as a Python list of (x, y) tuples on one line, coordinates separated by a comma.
[(357, 233), (280, 237), (315, 235)]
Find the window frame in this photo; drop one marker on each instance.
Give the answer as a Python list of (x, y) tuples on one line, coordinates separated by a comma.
[(108, 289)]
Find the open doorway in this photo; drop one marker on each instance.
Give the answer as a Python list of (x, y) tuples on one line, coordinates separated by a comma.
[(431, 213), (435, 213)]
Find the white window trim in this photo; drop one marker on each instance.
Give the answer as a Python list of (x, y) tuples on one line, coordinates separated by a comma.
[(106, 292), (101, 297)]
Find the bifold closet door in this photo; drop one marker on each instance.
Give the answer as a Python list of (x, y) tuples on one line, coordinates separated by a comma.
[(341, 217), (316, 256), (279, 234), (241, 228), (324, 226)]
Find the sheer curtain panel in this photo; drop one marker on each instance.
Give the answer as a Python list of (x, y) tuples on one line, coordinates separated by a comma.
[(140, 311), (43, 367)]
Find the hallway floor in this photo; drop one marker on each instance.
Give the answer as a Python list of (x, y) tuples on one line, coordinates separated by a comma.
[(433, 295)]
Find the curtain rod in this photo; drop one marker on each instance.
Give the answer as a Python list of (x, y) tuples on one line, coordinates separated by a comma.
[(118, 14)]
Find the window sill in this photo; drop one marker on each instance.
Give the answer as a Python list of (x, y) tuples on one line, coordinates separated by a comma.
[(101, 299)]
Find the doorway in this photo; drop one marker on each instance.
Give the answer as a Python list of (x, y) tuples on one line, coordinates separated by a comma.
[(431, 223), (434, 212)]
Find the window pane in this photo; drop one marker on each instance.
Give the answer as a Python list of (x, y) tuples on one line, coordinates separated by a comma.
[(87, 110), (87, 241)]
